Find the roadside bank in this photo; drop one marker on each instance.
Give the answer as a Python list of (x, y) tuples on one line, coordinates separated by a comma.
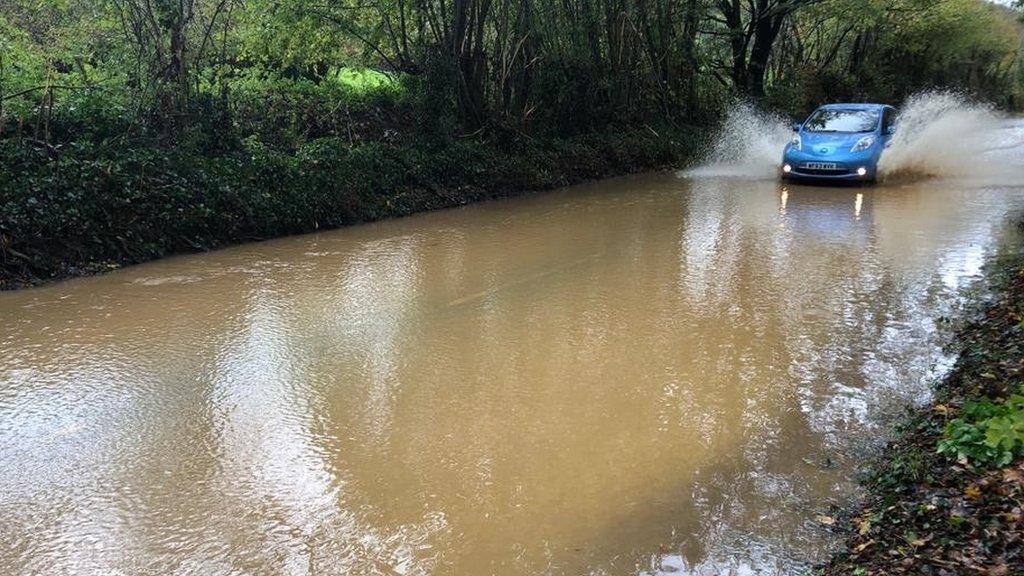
[(88, 209), (946, 496)]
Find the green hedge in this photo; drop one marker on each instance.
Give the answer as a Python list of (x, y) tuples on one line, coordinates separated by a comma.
[(89, 208)]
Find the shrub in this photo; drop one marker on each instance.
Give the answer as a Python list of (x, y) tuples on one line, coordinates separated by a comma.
[(987, 433), (90, 205)]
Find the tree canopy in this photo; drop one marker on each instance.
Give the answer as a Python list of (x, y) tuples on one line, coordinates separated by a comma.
[(521, 65)]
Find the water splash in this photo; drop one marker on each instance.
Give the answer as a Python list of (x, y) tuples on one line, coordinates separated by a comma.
[(939, 134), (942, 134), (748, 145)]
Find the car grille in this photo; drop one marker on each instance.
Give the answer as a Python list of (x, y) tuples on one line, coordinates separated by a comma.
[(814, 172)]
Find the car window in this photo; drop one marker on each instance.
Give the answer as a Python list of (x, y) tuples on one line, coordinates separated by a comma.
[(888, 119), (842, 120)]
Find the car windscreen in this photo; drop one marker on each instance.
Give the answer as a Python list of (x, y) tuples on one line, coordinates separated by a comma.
[(839, 120)]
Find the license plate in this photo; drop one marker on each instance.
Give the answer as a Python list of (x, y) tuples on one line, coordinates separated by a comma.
[(821, 165)]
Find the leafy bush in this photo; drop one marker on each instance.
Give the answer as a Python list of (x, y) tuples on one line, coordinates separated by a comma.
[(987, 433), (366, 80), (287, 112), (88, 205)]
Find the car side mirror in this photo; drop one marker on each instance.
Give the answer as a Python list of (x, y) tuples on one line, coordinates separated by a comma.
[(797, 126)]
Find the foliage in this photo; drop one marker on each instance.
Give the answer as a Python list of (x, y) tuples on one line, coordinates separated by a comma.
[(987, 433), (534, 67), (284, 112), (365, 80), (885, 50), (21, 65), (91, 207)]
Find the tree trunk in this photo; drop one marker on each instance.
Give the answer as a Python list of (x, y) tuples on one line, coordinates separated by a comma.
[(691, 22), (732, 12), (765, 33)]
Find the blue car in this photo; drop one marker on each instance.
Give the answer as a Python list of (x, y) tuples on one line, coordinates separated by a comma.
[(840, 142)]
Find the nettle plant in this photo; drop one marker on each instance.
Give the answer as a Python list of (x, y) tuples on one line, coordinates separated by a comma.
[(987, 433)]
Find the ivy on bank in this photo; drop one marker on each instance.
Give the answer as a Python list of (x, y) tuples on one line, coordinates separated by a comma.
[(90, 208)]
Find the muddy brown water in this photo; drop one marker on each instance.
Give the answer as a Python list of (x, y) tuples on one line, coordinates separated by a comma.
[(646, 375)]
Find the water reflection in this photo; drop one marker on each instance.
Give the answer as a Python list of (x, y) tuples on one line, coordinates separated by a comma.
[(646, 375)]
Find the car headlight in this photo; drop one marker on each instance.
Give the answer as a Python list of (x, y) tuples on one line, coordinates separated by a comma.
[(796, 143), (863, 144)]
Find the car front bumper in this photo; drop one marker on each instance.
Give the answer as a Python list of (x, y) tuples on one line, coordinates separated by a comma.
[(847, 166)]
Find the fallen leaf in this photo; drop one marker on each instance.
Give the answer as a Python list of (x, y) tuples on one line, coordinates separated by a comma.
[(919, 542), (972, 492), (826, 520), (862, 547)]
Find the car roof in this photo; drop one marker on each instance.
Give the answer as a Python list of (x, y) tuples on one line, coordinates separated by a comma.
[(855, 106)]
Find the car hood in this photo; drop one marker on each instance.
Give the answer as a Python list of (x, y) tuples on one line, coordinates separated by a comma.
[(827, 143)]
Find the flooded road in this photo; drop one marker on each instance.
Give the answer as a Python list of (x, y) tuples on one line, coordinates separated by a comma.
[(647, 375)]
